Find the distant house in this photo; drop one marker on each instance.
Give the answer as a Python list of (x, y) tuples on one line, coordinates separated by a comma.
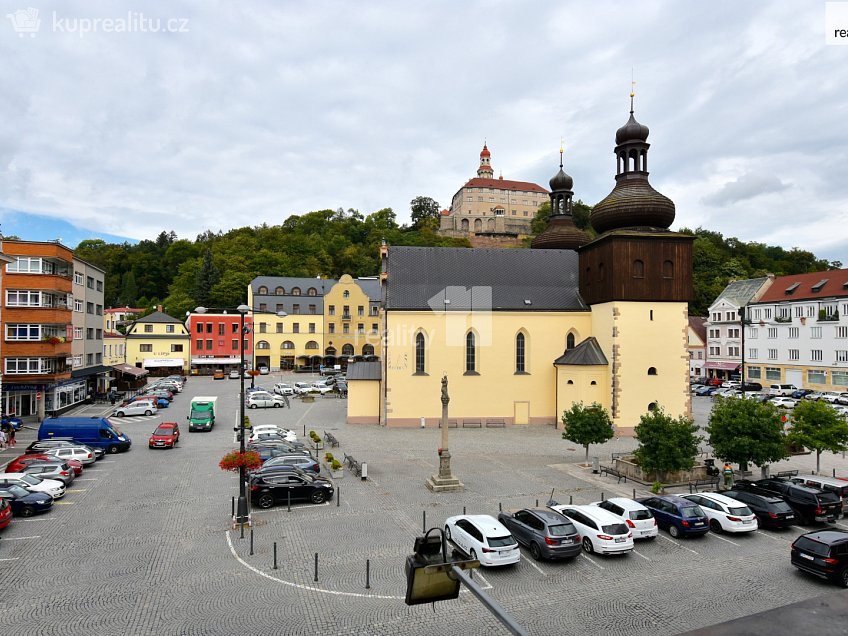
[(697, 335)]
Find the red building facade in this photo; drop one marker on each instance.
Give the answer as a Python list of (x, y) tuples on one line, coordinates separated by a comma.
[(215, 341)]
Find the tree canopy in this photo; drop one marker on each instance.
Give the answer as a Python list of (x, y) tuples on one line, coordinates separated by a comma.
[(666, 444), (819, 427), (743, 431), (586, 425)]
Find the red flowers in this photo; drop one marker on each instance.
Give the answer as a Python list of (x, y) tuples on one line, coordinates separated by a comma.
[(234, 460)]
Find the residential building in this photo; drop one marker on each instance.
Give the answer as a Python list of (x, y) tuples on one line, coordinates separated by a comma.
[(697, 339), (115, 318), (492, 207), (159, 344), (4, 260), (724, 326), (352, 320), (797, 332), (522, 335), (87, 324), (215, 341), (114, 348), (37, 305)]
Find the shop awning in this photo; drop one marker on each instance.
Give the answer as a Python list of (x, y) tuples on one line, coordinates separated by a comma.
[(162, 362), (84, 373), (724, 366), (129, 369), (215, 361)]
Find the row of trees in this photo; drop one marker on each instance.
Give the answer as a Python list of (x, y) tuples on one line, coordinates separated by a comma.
[(740, 431)]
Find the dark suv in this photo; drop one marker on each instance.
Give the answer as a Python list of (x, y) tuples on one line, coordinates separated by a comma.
[(771, 511), (810, 504), (824, 554), (278, 487)]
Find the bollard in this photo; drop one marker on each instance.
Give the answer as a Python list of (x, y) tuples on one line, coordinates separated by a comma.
[(537, 503), (275, 556), (634, 493), (690, 487), (834, 472), (242, 529), (288, 498), (463, 510), (602, 497), (500, 507), (316, 567), (233, 514), (304, 430), (338, 496), (367, 574), (251, 539), (570, 499), (424, 520)]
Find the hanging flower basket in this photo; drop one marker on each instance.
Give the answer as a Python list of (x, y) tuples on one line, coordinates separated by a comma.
[(55, 340), (235, 460)]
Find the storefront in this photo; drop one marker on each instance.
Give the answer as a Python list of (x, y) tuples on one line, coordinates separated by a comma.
[(201, 365), (722, 370), (163, 366), (128, 377)]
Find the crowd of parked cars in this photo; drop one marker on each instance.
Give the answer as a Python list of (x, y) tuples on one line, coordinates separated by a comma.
[(785, 396), (157, 395)]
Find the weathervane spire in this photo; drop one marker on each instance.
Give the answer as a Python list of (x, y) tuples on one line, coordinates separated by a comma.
[(561, 144), (632, 89)]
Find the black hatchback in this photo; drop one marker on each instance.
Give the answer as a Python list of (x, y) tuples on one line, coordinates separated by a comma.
[(772, 512), (823, 553)]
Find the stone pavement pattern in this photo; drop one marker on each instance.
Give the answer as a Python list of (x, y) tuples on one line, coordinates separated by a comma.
[(141, 543)]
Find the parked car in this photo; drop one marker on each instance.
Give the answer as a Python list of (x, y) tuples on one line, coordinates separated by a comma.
[(602, 531), (784, 402), (267, 452), (139, 407), (321, 387), (840, 409), (638, 518), (798, 394), (843, 398), (705, 390), (166, 435), (158, 400), (483, 538), (282, 388), (18, 464), (725, 514), (270, 489), (263, 399), (52, 487), (547, 534), (263, 370), (5, 513), (218, 374), (25, 503), (771, 511), (784, 390), (677, 516), (54, 468), (302, 388), (305, 463), (830, 484), (39, 446), (751, 386), (83, 455), (10, 420), (322, 370), (234, 374), (809, 504), (715, 381), (823, 553), (59, 441), (285, 434)]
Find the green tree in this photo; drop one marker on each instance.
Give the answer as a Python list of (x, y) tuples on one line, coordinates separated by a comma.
[(666, 444), (586, 425), (818, 427), (206, 279), (129, 289), (743, 431), (424, 211)]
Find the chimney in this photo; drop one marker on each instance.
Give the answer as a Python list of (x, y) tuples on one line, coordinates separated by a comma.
[(159, 308)]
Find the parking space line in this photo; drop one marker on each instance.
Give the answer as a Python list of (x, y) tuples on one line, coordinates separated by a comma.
[(676, 543), (30, 518), (294, 507), (37, 536), (87, 479), (640, 554), (592, 561), (488, 585), (841, 525), (77, 490), (770, 536), (12, 559), (715, 536), (536, 567), (64, 503)]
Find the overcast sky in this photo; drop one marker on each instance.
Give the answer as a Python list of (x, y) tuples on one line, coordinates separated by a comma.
[(251, 111)]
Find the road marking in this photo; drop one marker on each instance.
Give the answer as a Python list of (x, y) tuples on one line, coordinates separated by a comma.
[(77, 490), (301, 506), (841, 525), (29, 519), (87, 479), (715, 536), (676, 543), (770, 536), (600, 567), (537, 568), (38, 536), (12, 559), (641, 555), (65, 503), (488, 585), (106, 461)]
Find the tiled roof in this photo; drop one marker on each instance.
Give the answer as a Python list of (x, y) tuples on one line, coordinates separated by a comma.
[(835, 286), (587, 352), (363, 371), (740, 292), (158, 317), (504, 184), (482, 279)]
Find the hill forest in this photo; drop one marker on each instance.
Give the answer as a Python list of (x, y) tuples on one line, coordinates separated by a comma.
[(215, 269)]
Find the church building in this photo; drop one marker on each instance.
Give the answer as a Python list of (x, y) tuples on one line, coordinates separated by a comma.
[(522, 334)]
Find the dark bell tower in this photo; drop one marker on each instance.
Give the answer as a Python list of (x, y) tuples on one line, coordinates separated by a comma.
[(561, 233)]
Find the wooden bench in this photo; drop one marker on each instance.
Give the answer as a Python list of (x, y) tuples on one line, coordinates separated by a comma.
[(698, 483), (496, 423), (330, 439), (613, 472), (353, 464), (787, 473), (451, 424), (472, 424)]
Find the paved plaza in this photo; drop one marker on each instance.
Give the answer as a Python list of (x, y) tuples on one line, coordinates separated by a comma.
[(141, 543)]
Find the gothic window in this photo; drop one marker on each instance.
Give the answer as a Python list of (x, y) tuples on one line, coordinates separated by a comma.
[(519, 353), (419, 353), (569, 341), (470, 353)]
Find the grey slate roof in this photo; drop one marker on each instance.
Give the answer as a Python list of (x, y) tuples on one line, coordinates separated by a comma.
[(371, 287), (587, 352), (740, 292), (482, 279), (158, 317), (321, 285), (363, 371)]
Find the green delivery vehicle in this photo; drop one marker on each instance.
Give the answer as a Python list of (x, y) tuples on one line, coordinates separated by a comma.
[(201, 417)]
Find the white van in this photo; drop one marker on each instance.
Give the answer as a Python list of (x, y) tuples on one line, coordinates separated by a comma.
[(782, 389)]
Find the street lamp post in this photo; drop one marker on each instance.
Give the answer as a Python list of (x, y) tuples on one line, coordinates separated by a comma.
[(742, 321)]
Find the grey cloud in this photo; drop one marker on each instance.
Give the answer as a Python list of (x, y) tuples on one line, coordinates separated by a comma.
[(747, 186)]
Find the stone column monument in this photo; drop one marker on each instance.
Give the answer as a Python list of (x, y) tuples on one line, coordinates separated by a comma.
[(444, 481)]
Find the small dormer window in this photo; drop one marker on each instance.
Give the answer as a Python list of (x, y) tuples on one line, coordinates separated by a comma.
[(818, 286), (791, 289)]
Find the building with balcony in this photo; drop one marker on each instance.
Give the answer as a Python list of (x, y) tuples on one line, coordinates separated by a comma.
[(797, 332), (38, 302), (87, 324), (159, 344), (215, 339), (352, 319)]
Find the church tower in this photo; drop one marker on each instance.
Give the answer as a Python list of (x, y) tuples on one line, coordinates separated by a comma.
[(485, 170), (637, 278), (561, 233)]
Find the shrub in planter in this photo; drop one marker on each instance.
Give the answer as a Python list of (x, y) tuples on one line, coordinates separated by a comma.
[(335, 464), (328, 457), (314, 436), (234, 460)]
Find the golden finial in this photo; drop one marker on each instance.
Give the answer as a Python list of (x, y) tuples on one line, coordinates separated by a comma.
[(632, 89), (561, 150)]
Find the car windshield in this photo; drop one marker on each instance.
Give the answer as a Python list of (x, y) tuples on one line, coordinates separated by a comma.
[(30, 479), (809, 545), (689, 512), (164, 430), (741, 511), (116, 430), (828, 498), (640, 515), (18, 491), (500, 542), (615, 528), (561, 530)]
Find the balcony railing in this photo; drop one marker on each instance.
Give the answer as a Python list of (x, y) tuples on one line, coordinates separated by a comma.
[(783, 318), (346, 316)]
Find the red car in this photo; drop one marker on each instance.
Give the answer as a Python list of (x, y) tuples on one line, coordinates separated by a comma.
[(715, 381), (166, 435), (18, 464), (5, 513)]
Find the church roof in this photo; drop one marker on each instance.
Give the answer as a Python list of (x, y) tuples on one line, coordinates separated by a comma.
[(462, 279), (587, 352), (504, 184)]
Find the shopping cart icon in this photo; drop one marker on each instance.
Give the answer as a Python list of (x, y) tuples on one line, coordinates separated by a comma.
[(25, 21)]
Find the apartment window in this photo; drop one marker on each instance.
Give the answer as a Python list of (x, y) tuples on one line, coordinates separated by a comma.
[(99, 310), (89, 282), (753, 332), (23, 298), (263, 327), (279, 327), (296, 327), (76, 361), (753, 354), (263, 344), (146, 348), (30, 265), (772, 332), (794, 354), (767, 315), (799, 311), (811, 311), (470, 353), (772, 373), (375, 328), (295, 309), (331, 328), (279, 308), (345, 328), (98, 334), (198, 344), (815, 332), (842, 332), (331, 310), (793, 332), (753, 373), (715, 351), (360, 311), (311, 327), (209, 344), (714, 333), (200, 327), (208, 327), (169, 328), (234, 345), (733, 333), (89, 333), (221, 328), (374, 311), (816, 376), (98, 358), (78, 278), (263, 306), (733, 351), (841, 355), (772, 354), (78, 306), (89, 359), (755, 314), (816, 355), (89, 308), (99, 285), (313, 309), (176, 348), (148, 328)]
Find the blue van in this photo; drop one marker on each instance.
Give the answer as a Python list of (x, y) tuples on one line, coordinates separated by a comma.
[(97, 432)]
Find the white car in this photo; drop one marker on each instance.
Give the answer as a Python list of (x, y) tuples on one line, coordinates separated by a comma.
[(82, 455), (282, 388), (139, 407), (234, 374), (263, 399), (784, 402), (302, 388), (601, 530), (52, 487), (483, 538), (725, 514), (264, 429), (638, 518), (831, 396), (321, 387), (263, 370), (842, 410)]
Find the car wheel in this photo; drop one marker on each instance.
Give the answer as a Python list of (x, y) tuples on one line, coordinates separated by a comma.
[(715, 526), (535, 552), (254, 406), (447, 533), (473, 555), (674, 531), (587, 545), (265, 500), (27, 511), (148, 412), (276, 406), (112, 450), (843, 578), (318, 497), (120, 413)]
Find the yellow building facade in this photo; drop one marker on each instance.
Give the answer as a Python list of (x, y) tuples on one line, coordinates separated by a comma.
[(114, 348), (158, 343), (352, 319)]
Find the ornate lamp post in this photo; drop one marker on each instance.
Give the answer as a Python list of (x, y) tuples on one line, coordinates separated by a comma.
[(444, 481)]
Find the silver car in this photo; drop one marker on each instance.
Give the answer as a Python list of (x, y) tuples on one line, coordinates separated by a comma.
[(82, 455), (58, 470)]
